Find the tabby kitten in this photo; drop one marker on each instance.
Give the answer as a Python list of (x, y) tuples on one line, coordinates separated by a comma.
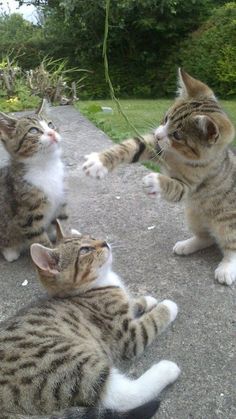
[(192, 147), (31, 185), (63, 351)]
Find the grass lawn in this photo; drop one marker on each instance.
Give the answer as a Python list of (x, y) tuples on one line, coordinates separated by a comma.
[(144, 115)]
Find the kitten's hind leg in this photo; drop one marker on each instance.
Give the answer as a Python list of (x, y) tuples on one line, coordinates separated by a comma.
[(192, 245), (123, 393), (225, 273), (11, 254)]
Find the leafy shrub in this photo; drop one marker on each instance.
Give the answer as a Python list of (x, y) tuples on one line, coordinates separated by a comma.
[(210, 53)]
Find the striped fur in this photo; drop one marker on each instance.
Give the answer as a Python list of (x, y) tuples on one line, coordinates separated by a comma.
[(61, 351), (31, 185), (192, 147)]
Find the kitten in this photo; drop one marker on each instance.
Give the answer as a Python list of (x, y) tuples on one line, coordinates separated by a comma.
[(192, 147), (32, 184), (64, 351)]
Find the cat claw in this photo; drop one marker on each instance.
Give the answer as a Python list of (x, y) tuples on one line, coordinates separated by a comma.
[(93, 166)]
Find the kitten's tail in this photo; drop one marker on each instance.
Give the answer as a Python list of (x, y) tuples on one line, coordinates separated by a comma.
[(146, 411)]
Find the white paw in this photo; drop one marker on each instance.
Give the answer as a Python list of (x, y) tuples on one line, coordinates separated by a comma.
[(93, 166), (151, 184), (183, 247), (167, 370), (172, 307), (151, 302), (10, 254), (226, 273)]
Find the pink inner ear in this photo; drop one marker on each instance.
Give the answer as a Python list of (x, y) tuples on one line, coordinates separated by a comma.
[(211, 129), (44, 259)]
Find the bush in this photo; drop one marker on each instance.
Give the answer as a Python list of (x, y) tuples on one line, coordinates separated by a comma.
[(210, 53)]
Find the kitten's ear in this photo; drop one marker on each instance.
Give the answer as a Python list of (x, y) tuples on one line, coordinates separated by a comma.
[(45, 259), (59, 231), (43, 107), (190, 88), (208, 128), (7, 124)]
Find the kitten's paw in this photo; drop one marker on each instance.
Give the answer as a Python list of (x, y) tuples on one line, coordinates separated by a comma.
[(184, 247), (226, 272), (172, 307), (10, 254), (192, 245), (167, 371), (151, 302), (93, 166), (151, 184)]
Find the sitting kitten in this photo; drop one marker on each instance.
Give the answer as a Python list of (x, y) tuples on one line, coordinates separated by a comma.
[(63, 351), (191, 146), (31, 185)]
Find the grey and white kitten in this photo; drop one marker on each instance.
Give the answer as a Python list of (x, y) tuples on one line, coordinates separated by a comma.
[(32, 183)]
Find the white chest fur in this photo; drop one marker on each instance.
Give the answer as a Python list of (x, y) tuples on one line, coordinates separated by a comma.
[(48, 176)]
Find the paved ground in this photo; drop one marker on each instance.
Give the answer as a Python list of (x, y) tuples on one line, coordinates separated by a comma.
[(201, 339)]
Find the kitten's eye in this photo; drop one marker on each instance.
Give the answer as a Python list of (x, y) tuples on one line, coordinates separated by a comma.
[(51, 125), (86, 249), (33, 130), (176, 135)]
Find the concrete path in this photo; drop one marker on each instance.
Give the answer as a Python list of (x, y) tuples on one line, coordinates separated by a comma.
[(202, 337)]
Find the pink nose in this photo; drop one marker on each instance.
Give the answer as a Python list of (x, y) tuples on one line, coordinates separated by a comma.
[(52, 136)]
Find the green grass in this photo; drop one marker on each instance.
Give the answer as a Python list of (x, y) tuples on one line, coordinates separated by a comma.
[(144, 115)]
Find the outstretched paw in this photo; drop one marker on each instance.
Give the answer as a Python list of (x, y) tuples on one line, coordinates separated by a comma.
[(93, 166), (151, 184)]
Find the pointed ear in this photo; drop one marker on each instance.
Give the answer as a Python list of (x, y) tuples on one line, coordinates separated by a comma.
[(208, 128), (7, 124), (43, 107), (75, 232), (46, 260), (190, 88), (59, 231)]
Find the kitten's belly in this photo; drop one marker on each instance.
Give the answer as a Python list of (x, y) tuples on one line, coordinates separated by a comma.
[(51, 182)]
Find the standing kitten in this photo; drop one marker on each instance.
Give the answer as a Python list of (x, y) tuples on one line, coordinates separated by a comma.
[(191, 146), (62, 351), (31, 185)]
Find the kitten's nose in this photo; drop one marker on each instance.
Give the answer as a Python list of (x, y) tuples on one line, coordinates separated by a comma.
[(52, 136)]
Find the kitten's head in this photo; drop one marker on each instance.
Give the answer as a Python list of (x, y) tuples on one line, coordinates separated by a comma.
[(73, 265), (195, 127), (29, 136)]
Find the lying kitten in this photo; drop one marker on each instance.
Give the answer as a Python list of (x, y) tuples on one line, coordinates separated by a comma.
[(31, 185), (63, 351), (199, 168)]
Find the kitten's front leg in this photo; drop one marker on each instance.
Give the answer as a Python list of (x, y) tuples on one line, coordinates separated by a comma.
[(143, 330), (98, 165), (171, 189)]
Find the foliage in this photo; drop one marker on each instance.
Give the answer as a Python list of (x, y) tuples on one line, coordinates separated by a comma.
[(50, 79), (148, 40), (21, 37), (210, 53)]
